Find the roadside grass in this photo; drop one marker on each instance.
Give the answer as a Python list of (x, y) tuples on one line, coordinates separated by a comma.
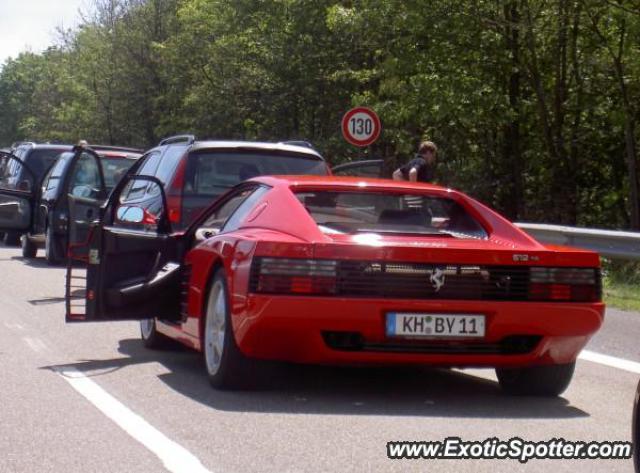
[(621, 284), (622, 296)]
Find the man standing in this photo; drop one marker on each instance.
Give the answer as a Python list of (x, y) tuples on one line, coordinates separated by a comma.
[(422, 167)]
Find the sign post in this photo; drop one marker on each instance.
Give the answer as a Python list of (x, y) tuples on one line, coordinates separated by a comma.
[(361, 126)]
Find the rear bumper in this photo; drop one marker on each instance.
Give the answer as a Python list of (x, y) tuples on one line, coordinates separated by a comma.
[(291, 329)]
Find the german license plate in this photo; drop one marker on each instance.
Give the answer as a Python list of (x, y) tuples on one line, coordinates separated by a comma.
[(405, 324)]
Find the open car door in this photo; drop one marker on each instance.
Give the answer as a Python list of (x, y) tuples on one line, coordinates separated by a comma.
[(18, 187), (132, 265), (366, 168), (86, 191)]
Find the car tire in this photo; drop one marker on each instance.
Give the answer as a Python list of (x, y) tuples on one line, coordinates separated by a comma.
[(51, 253), (12, 238), (151, 338), (227, 367), (547, 380), (29, 249)]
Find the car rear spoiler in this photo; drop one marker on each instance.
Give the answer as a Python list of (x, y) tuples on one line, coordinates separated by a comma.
[(188, 139)]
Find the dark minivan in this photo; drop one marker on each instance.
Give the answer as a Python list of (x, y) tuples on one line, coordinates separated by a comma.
[(26, 172)]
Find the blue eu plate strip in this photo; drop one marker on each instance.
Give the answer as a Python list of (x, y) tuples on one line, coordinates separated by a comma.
[(391, 323)]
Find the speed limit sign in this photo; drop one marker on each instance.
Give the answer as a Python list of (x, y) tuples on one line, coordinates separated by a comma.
[(360, 126)]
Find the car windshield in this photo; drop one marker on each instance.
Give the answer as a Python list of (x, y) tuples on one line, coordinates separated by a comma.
[(114, 169), (374, 212), (212, 173)]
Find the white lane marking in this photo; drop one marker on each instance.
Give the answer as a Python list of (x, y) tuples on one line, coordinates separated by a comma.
[(620, 363), (35, 344), (174, 457), (14, 326)]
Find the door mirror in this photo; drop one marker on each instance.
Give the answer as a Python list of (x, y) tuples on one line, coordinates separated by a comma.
[(140, 200), (130, 214)]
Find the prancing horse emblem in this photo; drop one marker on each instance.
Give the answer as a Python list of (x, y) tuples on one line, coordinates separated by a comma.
[(437, 279)]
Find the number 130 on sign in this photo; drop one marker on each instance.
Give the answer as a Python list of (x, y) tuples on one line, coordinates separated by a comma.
[(361, 126)]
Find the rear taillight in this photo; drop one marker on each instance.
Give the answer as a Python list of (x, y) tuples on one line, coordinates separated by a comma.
[(294, 276), (174, 203), (565, 284), (174, 194)]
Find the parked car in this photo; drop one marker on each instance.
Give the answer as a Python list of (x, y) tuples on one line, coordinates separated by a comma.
[(78, 174), (319, 269), (194, 173), (26, 172)]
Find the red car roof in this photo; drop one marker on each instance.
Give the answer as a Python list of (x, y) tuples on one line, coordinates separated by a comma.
[(502, 233), (339, 182)]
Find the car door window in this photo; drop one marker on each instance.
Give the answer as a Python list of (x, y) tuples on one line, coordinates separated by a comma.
[(169, 162), (135, 190), (85, 181), (52, 181), (217, 219), (14, 174), (151, 164), (7, 170), (228, 216), (243, 210)]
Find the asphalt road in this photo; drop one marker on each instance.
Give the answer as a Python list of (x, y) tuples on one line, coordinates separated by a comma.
[(147, 411)]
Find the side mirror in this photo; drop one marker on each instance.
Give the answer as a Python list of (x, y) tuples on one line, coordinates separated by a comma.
[(140, 200), (130, 214)]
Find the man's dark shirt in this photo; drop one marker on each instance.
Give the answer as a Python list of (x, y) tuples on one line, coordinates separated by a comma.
[(425, 172)]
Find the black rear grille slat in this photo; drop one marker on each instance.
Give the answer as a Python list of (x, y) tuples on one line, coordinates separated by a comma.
[(460, 281), (405, 280), (479, 349), (510, 345)]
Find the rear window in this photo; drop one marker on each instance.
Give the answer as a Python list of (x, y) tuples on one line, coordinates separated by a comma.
[(40, 160), (113, 169), (214, 172), (371, 212)]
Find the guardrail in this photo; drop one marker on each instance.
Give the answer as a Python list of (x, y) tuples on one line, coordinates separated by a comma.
[(609, 243)]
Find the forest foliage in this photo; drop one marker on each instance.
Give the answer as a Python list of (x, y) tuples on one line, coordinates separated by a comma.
[(534, 104)]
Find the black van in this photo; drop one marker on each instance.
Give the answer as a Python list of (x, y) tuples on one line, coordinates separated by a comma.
[(23, 174)]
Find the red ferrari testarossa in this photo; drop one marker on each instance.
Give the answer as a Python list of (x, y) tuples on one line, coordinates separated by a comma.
[(343, 271)]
